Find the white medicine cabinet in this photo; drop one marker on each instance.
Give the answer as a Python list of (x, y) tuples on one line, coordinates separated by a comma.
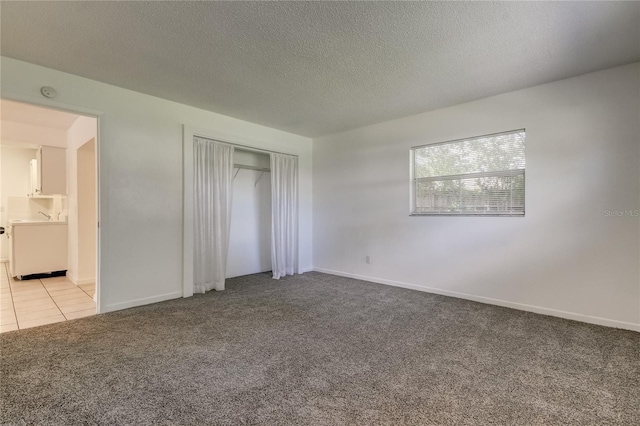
[(49, 172)]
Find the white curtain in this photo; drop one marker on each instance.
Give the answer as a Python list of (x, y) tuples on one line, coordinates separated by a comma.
[(213, 177), (284, 214)]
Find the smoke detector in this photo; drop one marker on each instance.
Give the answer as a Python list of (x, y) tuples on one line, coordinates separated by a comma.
[(48, 92)]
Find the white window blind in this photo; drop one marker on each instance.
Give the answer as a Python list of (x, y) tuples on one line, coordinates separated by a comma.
[(479, 176)]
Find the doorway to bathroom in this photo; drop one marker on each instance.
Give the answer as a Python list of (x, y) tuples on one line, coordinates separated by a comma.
[(50, 216)]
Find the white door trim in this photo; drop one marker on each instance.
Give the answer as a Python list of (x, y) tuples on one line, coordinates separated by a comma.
[(74, 109)]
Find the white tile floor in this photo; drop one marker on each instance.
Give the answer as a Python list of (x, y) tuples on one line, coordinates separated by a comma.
[(31, 303)]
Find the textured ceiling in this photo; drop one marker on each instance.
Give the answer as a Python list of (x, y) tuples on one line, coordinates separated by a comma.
[(315, 68)]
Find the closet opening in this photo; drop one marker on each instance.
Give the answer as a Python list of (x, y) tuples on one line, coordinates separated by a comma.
[(250, 231), (240, 212)]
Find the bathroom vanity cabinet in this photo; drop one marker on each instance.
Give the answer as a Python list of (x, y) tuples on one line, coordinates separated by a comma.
[(37, 247)]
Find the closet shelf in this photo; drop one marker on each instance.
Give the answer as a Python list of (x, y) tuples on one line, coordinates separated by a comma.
[(260, 169)]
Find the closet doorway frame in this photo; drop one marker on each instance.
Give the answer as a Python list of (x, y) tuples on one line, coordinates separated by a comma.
[(188, 199)]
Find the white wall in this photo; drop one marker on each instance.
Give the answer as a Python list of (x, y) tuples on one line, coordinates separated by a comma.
[(81, 267), (250, 235), (567, 257), (140, 169), (87, 213), (15, 179), (34, 134)]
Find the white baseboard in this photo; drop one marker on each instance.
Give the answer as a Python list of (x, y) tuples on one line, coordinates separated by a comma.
[(514, 305), (141, 302), (80, 281), (303, 270)]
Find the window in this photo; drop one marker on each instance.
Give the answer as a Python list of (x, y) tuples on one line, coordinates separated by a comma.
[(479, 176)]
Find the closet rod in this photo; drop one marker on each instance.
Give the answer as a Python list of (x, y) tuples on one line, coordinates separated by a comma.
[(266, 151), (260, 169), (244, 147)]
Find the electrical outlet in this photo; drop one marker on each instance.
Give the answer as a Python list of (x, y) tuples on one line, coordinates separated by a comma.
[(367, 259)]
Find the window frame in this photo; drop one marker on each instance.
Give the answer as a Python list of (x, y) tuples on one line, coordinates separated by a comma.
[(412, 179)]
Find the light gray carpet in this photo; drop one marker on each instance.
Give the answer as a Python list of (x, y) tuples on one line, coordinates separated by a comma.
[(320, 350)]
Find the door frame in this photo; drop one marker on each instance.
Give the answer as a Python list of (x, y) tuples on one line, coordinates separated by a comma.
[(74, 109)]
